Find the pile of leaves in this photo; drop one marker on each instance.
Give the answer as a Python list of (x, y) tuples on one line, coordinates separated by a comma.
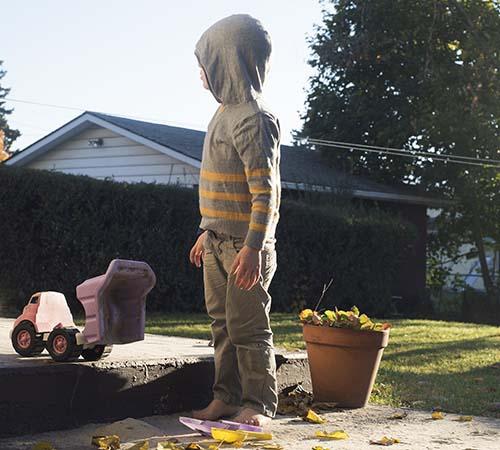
[(351, 319)]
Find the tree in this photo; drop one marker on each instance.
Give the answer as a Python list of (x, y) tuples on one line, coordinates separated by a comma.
[(9, 134), (420, 76)]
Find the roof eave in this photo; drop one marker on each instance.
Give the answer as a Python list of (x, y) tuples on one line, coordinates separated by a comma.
[(77, 125), (371, 194)]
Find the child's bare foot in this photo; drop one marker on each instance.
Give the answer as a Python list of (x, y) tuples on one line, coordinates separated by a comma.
[(215, 410), (252, 417)]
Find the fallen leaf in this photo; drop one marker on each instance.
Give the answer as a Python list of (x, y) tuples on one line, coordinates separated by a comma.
[(312, 417), (294, 400), (465, 419), (106, 442), (437, 415), (385, 441), (43, 445), (272, 447), (144, 445), (318, 447), (398, 415), (335, 435), (231, 436)]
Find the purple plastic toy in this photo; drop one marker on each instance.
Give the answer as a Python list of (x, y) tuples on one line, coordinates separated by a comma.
[(205, 426)]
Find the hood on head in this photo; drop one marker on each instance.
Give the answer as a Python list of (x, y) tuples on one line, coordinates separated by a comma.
[(235, 52)]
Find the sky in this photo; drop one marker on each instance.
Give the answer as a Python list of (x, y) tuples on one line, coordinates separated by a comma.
[(136, 59)]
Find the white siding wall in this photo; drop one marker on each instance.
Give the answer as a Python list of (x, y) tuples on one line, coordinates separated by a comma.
[(118, 158)]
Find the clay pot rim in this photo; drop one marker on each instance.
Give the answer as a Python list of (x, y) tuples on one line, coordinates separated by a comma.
[(387, 331), (345, 337)]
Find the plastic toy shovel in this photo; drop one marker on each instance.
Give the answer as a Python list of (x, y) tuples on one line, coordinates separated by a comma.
[(205, 426)]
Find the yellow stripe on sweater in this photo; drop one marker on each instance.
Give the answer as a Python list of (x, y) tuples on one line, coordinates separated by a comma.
[(225, 196), (261, 208), (258, 172), (222, 176), (258, 227), (241, 217), (260, 190)]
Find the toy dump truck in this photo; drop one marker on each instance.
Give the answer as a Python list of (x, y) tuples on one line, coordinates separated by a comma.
[(115, 308)]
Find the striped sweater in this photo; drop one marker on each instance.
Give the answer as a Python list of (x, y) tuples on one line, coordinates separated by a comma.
[(239, 179)]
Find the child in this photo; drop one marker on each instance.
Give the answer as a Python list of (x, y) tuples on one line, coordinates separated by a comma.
[(239, 201)]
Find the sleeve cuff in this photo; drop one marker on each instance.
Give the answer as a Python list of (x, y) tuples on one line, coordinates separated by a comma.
[(255, 240)]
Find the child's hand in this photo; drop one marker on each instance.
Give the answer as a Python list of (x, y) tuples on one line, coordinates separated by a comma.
[(246, 267), (196, 253)]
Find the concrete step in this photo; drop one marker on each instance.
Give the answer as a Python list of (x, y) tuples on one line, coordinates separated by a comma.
[(160, 375)]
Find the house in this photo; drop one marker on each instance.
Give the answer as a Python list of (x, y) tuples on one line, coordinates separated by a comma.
[(106, 146)]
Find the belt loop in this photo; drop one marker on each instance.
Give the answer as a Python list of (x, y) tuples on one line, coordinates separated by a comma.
[(219, 243)]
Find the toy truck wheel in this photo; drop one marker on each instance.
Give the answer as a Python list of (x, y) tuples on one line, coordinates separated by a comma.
[(97, 352), (25, 340), (62, 346)]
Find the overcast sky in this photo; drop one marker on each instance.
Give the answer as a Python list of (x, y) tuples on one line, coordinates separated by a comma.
[(136, 59)]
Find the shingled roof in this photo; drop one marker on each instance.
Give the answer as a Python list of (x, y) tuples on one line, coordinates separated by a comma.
[(301, 168)]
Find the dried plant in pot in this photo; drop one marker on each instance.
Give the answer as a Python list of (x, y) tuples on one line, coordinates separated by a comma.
[(344, 350)]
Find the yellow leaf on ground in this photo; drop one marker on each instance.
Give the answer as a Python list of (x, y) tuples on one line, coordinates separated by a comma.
[(144, 445), (318, 447), (386, 441), (398, 415), (231, 436), (272, 447), (106, 442), (193, 446), (312, 417), (335, 435), (437, 415), (43, 446), (465, 419)]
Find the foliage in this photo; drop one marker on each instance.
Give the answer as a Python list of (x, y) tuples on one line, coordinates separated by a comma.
[(421, 76), (58, 230), (9, 134), (351, 319)]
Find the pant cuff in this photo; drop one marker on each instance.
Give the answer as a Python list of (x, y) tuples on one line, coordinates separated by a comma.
[(261, 409), (226, 398)]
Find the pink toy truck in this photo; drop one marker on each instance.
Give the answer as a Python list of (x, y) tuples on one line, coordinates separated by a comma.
[(115, 307)]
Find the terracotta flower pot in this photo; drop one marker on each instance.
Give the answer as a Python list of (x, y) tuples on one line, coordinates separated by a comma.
[(343, 363)]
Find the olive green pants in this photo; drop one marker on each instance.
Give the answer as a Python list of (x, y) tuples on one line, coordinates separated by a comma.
[(245, 366)]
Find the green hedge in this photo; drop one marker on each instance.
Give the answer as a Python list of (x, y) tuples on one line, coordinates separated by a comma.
[(57, 230)]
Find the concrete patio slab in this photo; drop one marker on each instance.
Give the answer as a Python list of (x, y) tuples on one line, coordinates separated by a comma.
[(417, 431), (159, 375)]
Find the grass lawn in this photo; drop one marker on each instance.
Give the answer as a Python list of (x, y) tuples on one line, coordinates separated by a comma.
[(455, 366)]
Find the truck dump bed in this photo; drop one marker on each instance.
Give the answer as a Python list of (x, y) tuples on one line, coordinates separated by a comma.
[(115, 303)]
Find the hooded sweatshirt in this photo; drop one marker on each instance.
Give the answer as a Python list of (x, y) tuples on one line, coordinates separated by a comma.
[(239, 179)]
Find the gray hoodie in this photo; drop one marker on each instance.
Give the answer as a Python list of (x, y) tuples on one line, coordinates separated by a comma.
[(239, 178)]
